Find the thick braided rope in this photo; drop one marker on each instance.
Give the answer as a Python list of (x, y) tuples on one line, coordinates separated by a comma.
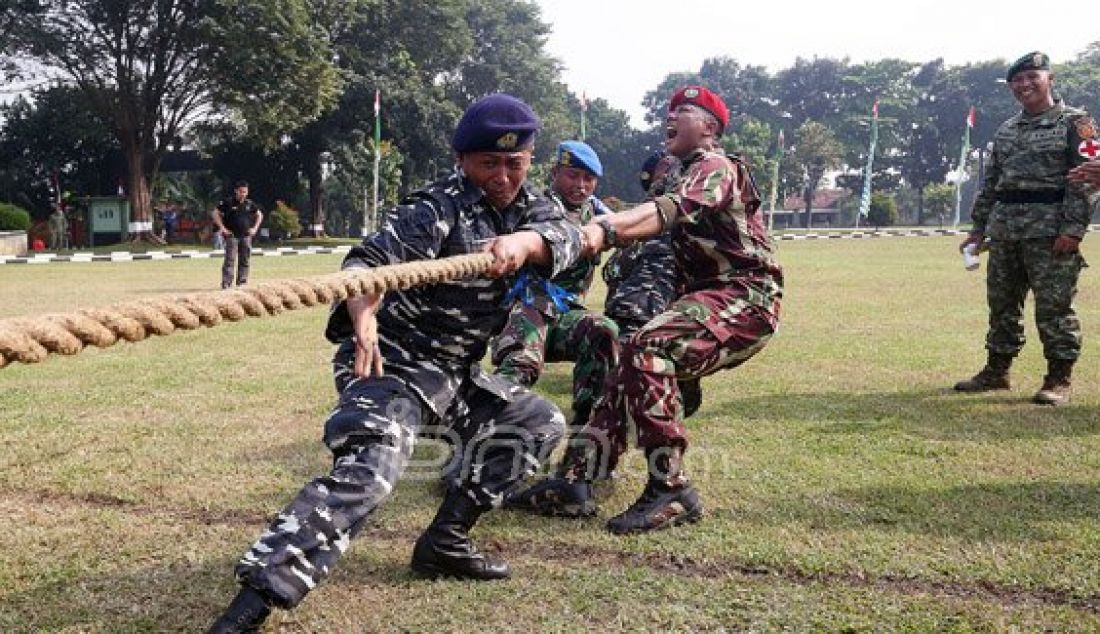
[(32, 339)]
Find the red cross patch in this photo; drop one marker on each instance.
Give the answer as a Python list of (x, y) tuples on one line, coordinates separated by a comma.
[(1089, 148)]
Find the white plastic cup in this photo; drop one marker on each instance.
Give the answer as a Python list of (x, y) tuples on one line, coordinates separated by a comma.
[(971, 262)]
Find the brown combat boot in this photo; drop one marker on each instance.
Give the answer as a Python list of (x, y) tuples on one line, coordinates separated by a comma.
[(1056, 384), (994, 376)]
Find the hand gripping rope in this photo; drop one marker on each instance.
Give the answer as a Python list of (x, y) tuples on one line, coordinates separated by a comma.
[(32, 339)]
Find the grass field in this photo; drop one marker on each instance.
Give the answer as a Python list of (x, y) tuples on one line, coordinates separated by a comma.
[(847, 488)]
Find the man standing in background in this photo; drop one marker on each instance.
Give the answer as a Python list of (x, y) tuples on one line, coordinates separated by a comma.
[(1034, 219), (237, 219)]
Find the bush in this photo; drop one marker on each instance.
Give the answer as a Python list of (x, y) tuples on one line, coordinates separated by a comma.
[(284, 221), (883, 211), (13, 218)]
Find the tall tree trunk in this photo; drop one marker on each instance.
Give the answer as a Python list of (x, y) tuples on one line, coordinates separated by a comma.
[(920, 205), (141, 203), (808, 198)]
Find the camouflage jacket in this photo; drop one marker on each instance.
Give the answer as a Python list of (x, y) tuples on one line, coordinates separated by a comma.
[(1025, 192), (641, 280), (642, 277), (718, 234), (576, 278), (434, 336)]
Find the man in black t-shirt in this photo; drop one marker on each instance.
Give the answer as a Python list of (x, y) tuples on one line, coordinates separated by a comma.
[(237, 218)]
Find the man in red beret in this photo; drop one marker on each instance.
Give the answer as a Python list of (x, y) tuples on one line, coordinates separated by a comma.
[(728, 311)]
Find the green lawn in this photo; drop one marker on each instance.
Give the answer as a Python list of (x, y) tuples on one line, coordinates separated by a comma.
[(846, 487)]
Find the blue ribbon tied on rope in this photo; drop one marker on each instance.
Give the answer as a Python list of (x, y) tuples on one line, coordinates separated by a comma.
[(528, 283)]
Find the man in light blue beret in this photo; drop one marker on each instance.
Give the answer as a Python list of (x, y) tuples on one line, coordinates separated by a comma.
[(408, 364), (548, 321)]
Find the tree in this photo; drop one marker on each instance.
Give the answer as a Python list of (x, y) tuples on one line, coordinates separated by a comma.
[(747, 90), (816, 151), (1079, 80), (619, 146), (939, 200), (51, 139), (150, 67), (883, 211)]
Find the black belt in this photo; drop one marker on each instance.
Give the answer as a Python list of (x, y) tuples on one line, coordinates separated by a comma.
[(1031, 196)]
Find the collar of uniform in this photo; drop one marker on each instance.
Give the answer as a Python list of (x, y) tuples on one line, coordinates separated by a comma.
[(550, 193), (1047, 116), (695, 156), (468, 194)]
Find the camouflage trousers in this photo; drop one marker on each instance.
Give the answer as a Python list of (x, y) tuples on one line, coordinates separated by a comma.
[(530, 339), (371, 433), (1017, 266), (700, 333), (238, 252)]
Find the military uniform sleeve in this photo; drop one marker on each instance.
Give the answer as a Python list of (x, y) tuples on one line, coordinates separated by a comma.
[(1079, 200), (983, 204), (411, 231), (414, 230), (563, 238), (706, 184)]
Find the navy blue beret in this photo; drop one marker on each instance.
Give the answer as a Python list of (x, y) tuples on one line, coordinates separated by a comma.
[(496, 123), (579, 154), (650, 164)]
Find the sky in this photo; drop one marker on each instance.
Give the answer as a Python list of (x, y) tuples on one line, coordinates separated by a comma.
[(620, 49)]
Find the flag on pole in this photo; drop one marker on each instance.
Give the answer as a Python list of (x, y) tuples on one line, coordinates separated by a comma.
[(774, 195), (377, 120), (369, 223), (584, 109), (971, 118), (865, 199)]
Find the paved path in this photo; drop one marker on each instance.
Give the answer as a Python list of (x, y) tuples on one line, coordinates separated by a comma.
[(126, 256)]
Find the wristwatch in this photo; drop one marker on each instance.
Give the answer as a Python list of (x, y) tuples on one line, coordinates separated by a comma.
[(610, 235)]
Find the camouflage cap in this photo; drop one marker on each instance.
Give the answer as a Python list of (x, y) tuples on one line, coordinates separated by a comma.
[(1034, 60)]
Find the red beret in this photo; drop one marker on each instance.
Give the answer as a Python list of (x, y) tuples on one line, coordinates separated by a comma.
[(705, 99)]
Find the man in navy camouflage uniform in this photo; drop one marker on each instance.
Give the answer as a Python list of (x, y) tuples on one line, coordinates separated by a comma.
[(551, 323), (728, 312), (641, 277), (1034, 218), (410, 360)]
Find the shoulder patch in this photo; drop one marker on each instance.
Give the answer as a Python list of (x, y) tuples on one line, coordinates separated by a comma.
[(1089, 149), (1086, 128)]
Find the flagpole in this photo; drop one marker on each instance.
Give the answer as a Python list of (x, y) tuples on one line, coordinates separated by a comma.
[(774, 195), (865, 199), (965, 149), (584, 109), (369, 227)]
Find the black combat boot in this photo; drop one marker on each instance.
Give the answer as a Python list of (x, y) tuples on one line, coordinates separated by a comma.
[(994, 376), (557, 497), (569, 493), (246, 613), (691, 393), (667, 500), (1056, 384), (445, 549)]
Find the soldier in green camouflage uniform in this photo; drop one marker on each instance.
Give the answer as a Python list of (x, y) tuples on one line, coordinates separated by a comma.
[(1033, 219), (543, 328), (733, 286), (409, 363)]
